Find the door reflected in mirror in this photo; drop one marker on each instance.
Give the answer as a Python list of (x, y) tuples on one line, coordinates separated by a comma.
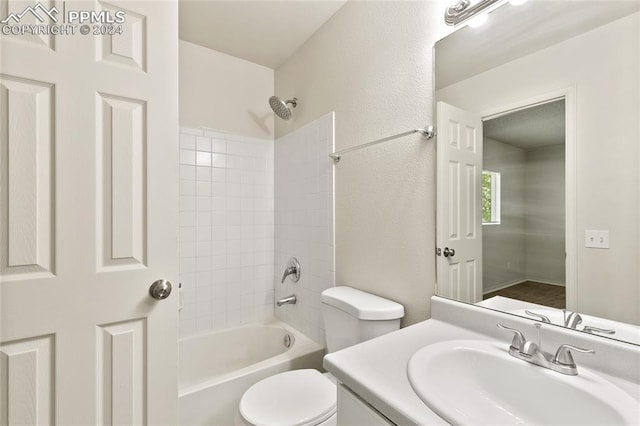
[(555, 88)]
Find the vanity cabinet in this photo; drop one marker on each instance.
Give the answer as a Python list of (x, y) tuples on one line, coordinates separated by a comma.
[(353, 411)]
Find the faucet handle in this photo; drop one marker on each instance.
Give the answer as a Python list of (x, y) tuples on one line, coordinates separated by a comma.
[(590, 329), (563, 354), (541, 317), (293, 269), (518, 338)]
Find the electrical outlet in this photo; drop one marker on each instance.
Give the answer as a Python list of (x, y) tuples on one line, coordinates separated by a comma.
[(596, 239)]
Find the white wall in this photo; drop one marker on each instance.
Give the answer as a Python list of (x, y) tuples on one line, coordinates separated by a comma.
[(219, 91), (304, 185), (603, 67), (503, 245), (371, 63), (544, 220), (226, 230)]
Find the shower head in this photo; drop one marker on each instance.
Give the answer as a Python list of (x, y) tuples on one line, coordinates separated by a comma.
[(280, 107)]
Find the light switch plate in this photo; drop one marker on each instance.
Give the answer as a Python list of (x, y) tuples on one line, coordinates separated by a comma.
[(596, 239)]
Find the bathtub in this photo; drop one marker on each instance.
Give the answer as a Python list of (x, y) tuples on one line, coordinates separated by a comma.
[(217, 368)]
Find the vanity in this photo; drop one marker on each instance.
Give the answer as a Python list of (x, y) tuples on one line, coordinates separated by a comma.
[(376, 387)]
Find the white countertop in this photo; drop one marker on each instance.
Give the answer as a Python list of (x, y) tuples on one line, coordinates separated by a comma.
[(376, 369)]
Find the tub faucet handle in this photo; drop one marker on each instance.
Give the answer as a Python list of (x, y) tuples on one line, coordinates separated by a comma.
[(293, 269)]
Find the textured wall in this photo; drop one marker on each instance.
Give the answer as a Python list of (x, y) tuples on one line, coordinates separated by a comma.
[(371, 63), (223, 92)]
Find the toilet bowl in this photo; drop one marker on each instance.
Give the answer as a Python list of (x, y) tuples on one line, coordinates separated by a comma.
[(293, 398), (308, 397)]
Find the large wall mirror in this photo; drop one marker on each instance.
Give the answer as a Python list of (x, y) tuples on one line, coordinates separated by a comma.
[(538, 132)]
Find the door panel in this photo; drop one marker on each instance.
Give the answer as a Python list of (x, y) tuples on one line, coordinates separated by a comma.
[(27, 180), (459, 226), (88, 209)]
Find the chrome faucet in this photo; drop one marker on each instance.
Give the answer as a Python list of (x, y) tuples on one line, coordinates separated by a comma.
[(571, 319), (293, 268), (526, 350), (290, 300)]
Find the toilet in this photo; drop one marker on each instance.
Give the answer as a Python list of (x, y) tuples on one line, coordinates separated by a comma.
[(308, 397)]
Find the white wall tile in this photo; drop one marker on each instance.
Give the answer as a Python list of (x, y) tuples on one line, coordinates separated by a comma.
[(218, 160), (304, 221), (203, 144), (203, 219), (219, 146), (218, 175), (187, 141), (187, 156), (187, 172), (223, 286), (203, 158), (203, 173), (203, 248), (187, 203)]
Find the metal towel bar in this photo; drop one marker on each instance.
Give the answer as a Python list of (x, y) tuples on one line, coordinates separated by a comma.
[(427, 132)]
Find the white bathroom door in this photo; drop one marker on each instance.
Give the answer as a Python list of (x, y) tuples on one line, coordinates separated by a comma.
[(459, 209), (88, 209)]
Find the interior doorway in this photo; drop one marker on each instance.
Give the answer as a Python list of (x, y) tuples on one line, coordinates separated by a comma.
[(524, 204)]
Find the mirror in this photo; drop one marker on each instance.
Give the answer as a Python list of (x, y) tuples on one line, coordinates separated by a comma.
[(568, 68)]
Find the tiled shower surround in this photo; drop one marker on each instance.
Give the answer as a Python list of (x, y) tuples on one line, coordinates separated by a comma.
[(304, 185), (226, 230), (235, 240)]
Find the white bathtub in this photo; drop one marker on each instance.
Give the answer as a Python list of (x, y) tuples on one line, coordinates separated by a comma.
[(217, 368)]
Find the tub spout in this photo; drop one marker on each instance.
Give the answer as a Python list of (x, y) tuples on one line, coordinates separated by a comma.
[(290, 300)]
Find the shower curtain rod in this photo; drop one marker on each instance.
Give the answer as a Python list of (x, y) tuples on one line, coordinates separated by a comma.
[(427, 132)]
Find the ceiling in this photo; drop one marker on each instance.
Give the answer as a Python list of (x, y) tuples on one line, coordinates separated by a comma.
[(529, 128), (264, 32), (512, 32)]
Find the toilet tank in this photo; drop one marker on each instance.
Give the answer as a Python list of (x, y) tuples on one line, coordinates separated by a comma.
[(352, 316)]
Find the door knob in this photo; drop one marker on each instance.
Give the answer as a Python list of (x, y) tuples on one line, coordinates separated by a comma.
[(160, 289), (447, 252)]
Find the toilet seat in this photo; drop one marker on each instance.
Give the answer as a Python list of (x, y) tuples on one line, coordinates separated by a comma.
[(293, 398)]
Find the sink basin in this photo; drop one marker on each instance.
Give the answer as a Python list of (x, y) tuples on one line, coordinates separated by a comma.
[(475, 382)]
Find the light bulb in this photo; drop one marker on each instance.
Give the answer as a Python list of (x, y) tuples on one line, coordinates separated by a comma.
[(478, 21)]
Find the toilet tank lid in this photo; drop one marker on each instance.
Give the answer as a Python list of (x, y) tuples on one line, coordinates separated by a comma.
[(362, 305)]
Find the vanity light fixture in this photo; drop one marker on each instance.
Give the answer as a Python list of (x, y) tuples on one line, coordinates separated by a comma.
[(464, 11)]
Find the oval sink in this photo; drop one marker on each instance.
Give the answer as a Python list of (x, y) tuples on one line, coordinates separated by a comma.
[(475, 382)]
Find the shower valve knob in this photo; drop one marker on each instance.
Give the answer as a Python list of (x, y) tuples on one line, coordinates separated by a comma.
[(160, 289)]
